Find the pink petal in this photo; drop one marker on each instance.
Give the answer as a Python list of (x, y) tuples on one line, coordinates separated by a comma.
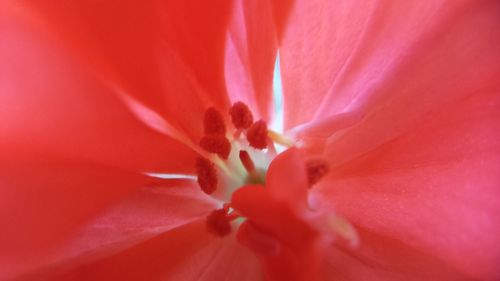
[(385, 259), (185, 253), (51, 106), (141, 215), (456, 58), (340, 54), (166, 54), (225, 259), (251, 51), (435, 188)]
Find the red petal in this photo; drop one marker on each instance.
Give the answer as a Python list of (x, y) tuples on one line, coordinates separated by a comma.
[(186, 253), (166, 54), (286, 178), (294, 255), (435, 187), (385, 259), (40, 204), (456, 59), (150, 260), (143, 214), (341, 54), (52, 106), (251, 52)]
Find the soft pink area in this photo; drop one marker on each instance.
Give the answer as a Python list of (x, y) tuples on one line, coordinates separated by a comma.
[(251, 48), (434, 188), (381, 258), (141, 215), (460, 58), (358, 52), (185, 253)]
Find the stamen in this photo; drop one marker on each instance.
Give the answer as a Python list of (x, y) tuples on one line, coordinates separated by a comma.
[(213, 123), (316, 169), (257, 135), (218, 144), (241, 116), (219, 223), (280, 139), (207, 175), (344, 229), (247, 161)]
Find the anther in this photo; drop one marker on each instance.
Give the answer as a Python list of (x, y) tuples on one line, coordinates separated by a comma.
[(218, 144), (241, 116), (316, 169), (213, 123), (247, 161), (257, 135), (219, 223), (207, 175)]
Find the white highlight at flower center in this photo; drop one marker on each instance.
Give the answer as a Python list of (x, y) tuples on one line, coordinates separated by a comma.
[(277, 122), (171, 176)]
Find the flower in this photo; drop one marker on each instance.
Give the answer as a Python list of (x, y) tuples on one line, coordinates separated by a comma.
[(392, 107)]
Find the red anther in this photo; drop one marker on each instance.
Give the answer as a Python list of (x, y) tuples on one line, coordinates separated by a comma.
[(218, 223), (218, 144), (241, 116), (316, 169), (257, 135), (213, 123), (247, 161), (207, 175)]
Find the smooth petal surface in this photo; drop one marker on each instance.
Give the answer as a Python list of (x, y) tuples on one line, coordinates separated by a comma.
[(40, 204), (380, 259), (460, 60), (286, 178), (50, 106), (252, 45), (359, 56), (167, 54), (185, 253), (434, 188), (251, 51), (141, 215)]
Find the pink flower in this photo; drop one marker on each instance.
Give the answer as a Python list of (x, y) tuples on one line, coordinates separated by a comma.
[(391, 168)]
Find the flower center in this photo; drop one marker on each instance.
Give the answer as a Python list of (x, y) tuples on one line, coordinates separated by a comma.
[(279, 222), (239, 156)]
